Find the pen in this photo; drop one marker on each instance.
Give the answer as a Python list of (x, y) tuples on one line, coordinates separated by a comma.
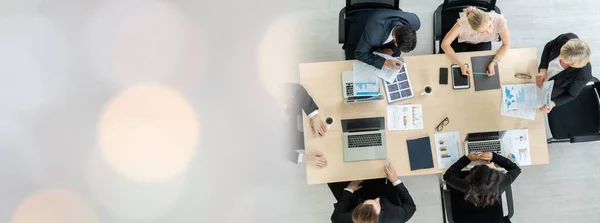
[(480, 73), (386, 177)]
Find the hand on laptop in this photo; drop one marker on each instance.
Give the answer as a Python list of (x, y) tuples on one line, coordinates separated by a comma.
[(485, 156), (472, 156), (390, 172), (318, 125), (316, 159)]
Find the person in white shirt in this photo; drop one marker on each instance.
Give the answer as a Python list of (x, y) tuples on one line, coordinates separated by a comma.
[(566, 61)]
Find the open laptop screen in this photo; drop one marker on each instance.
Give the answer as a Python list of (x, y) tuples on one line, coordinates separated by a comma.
[(363, 124)]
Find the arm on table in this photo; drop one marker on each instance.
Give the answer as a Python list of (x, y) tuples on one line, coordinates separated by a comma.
[(512, 168), (453, 175), (365, 48)]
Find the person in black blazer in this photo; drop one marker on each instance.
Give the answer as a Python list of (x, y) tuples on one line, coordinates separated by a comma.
[(566, 60), (483, 185), (377, 201), (386, 31), (299, 100)]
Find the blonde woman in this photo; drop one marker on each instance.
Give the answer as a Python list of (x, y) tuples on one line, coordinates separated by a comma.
[(566, 60), (475, 29)]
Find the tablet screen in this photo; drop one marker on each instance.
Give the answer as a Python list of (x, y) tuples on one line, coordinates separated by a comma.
[(459, 79)]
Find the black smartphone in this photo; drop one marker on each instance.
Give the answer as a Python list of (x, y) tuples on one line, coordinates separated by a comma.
[(443, 75)]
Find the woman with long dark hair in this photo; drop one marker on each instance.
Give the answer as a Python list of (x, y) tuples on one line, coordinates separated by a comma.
[(484, 184)]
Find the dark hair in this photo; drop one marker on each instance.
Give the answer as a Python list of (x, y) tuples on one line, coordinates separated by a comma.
[(364, 213), (483, 186), (406, 38)]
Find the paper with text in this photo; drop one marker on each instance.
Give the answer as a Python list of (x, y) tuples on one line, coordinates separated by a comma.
[(404, 117), (447, 146)]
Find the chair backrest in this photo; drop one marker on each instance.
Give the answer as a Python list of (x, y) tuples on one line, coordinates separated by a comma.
[(487, 4), (362, 4)]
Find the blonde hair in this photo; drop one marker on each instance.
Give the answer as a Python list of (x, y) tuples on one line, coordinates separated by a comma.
[(476, 17), (576, 53)]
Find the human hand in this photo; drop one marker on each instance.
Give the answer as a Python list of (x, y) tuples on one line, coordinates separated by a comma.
[(393, 64), (472, 156), (318, 125), (387, 51), (316, 159), (465, 70), (540, 78), (491, 71), (485, 156), (547, 109), (355, 185), (390, 172)]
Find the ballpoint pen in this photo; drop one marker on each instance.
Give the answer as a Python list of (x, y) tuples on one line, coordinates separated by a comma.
[(386, 177), (480, 73)]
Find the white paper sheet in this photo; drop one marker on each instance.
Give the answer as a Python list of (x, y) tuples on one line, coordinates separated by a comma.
[(515, 146), (524, 113), (365, 83), (404, 117), (448, 149), (522, 100), (526, 95)]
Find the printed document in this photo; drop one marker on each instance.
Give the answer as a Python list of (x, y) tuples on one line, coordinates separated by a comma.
[(404, 117), (448, 149)]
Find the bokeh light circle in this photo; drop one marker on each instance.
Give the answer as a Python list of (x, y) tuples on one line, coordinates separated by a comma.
[(279, 54), (148, 133), (54, 206)]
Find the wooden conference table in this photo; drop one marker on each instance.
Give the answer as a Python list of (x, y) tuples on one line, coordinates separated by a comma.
[(468, 111)]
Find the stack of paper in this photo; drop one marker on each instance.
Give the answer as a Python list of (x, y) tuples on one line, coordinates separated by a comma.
[(404, 117), (522, 100), (515, 146), (448, 149)]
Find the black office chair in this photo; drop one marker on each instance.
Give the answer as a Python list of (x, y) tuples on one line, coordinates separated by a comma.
[(445, 16), (453, 201), (579, 119), (354, 8)]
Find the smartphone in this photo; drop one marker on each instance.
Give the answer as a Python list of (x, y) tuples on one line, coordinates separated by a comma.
[(443, 75), (459, 81)]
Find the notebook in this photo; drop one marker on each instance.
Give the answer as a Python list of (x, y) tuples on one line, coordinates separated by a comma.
[(485, 82), (419, 153)]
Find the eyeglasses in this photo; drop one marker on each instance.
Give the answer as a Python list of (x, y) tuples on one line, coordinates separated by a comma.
[(522, 76), (440, 126)]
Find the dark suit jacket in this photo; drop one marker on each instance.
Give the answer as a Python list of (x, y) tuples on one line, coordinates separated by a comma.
[(397, 208), (299, 100), (455, 178), (569, 82), (377, 30)]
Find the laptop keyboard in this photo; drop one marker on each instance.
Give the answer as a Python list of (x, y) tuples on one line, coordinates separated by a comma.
[(349, 89), (365, 140), (486, 146)]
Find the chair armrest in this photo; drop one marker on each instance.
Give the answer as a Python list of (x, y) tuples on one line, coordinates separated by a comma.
[(509, 202), (446, 204), (342, 26), (575, 139), (437, 26)]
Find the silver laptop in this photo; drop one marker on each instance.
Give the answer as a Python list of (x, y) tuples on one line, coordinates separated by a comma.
[(484, 142), (348, 90), (364, 139)]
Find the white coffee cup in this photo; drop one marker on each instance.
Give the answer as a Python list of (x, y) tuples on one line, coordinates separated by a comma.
[(427, 90), (328, 121)]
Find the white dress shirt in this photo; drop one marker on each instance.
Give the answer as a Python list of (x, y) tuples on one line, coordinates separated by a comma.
[(390, 38), (554, 68)]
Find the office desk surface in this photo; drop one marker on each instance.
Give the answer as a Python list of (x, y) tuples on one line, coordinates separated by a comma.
[(468, 111)]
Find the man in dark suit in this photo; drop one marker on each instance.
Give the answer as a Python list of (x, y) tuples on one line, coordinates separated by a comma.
[(372, 201), (385, 30), (299, 100), (566, 61)]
